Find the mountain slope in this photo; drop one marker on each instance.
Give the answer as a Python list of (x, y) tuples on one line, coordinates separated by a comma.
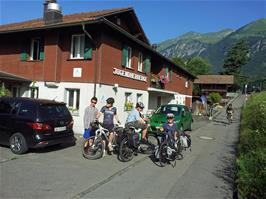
[(214, 46)]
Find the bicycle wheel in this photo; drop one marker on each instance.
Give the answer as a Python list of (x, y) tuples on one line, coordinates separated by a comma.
[(93, 148), (150, 146), (163, 154), (125, 152), (179, 150)]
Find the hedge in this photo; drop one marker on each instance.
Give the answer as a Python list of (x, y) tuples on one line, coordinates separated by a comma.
[(251, 162)]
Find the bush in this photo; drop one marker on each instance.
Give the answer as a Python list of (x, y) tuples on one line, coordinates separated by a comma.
[(215, 97), (251, 174)]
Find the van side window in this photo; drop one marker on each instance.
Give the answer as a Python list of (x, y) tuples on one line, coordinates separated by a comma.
[(5, 107), (27, 110)]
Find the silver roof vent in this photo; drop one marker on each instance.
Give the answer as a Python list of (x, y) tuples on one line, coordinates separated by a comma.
[(52, 12)]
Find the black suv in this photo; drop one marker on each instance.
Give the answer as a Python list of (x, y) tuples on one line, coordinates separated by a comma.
[(34, 123)]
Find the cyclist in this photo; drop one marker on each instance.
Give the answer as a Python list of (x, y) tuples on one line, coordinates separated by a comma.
[(170, 127), (90, 115), (109, 112), (135, 119), (229, 110)]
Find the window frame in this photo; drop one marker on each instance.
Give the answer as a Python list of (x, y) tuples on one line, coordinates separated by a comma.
[(79, 46), (140, 62), (32, 49), (129, 57), (76, 100)]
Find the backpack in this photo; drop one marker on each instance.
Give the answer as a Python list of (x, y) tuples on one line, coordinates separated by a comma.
[(185, 140)]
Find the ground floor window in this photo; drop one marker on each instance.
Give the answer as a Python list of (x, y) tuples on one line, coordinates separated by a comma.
[(34, 92), (139, 97), (72, 100), (128, 102)]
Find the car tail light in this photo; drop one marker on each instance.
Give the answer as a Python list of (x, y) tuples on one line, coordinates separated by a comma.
[(40, 126), (70, 125)]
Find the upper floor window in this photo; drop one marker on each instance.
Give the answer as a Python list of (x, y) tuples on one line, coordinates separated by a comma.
[(140, 62), (36, 49), (77, 46), (126, 56)]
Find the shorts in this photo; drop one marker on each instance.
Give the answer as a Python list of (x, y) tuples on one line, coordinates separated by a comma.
[(88, 133), (136, 124), (109, 127)]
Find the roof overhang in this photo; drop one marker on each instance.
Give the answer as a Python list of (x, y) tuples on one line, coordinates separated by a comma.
[(12, 77), (156, 90)]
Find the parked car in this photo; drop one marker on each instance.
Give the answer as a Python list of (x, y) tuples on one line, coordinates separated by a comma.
[(33, 123), (183, 117)]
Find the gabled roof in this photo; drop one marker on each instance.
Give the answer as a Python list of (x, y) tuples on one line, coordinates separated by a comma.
[(214, 79), (88, 18), (67, 19)]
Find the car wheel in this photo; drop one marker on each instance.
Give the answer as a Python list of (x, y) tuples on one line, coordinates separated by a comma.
[(18, 144)]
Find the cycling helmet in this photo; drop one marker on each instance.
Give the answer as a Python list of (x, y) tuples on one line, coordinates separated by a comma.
[(170, 116), (110, 100), (140, 105)]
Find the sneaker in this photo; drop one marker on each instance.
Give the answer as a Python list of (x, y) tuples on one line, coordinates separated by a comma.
[(110, 147)]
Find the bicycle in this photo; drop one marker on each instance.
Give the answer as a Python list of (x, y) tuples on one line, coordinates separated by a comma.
[(169, 151), (94, 147), (229, 116), (131, 145)]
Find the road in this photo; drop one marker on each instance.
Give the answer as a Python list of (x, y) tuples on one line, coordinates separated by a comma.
[(205, 172)]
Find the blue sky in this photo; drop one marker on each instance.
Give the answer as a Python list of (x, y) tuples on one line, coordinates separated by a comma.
[(160, 19)]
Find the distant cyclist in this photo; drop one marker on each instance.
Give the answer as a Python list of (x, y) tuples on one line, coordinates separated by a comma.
[(230, 111), (134, 119), (109, 112)]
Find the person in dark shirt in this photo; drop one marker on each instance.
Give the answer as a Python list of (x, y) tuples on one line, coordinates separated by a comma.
[(170, 127), (109, 112)]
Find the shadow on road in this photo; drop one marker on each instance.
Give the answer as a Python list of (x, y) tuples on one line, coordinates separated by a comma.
[(227, 170)]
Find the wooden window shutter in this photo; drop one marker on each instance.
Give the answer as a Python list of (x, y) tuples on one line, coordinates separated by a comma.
[(147, 65), (166, 70), (24, 54), (171, 74), (87, 48), (42, 49), (124, 55)]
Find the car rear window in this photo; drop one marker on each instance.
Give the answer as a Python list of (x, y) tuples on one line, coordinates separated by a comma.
[(49, 111)]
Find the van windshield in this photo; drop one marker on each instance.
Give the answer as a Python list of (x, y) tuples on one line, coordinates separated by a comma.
[(49, 111)]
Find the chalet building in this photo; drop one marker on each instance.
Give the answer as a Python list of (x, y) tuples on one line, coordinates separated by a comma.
[(214, 83), (72, 58)]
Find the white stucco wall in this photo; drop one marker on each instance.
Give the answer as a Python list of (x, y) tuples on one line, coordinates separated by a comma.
[(105, 91), (86, 93)]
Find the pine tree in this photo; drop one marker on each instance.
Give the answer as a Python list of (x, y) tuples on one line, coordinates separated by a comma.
[(237, 57)]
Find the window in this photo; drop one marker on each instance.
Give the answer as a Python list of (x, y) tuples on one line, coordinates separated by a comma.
[(34, 92), (186, 84), (36, 49), (128, 102), (72, 99), (27, 110), (140, 62), (118, 21), (77, 46), (139, 97), (126, 56)]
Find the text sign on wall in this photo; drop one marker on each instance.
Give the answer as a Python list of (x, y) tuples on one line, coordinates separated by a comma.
[(130, 75)]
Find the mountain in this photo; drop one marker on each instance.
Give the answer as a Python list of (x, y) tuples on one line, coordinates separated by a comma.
[(215, 45)]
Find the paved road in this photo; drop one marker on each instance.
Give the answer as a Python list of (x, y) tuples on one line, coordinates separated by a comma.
[(205, 172)]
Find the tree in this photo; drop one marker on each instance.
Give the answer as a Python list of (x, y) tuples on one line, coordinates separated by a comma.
[(179, 61), (198, 66), (237, 57)]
